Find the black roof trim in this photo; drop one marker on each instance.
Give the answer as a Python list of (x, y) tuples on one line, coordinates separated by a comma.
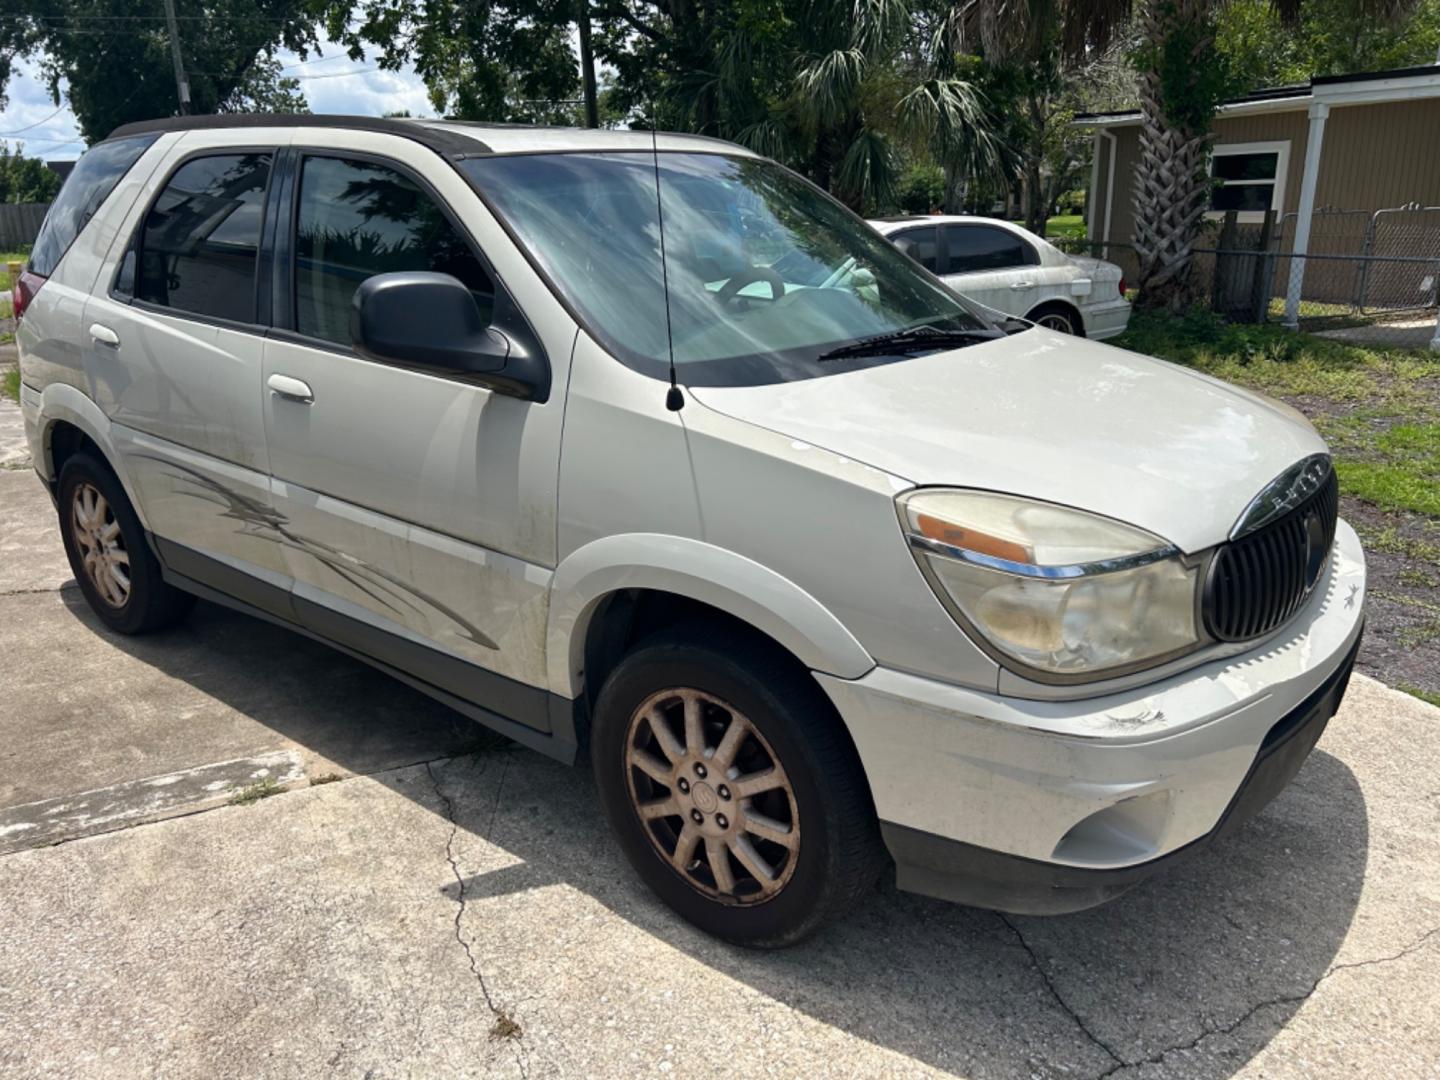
[(1372, 76), (442, 140)]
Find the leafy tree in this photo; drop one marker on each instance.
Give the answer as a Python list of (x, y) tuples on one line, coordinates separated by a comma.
[(265, 90), (25, 179), (1331, 37), (482, 60), (115, 54)]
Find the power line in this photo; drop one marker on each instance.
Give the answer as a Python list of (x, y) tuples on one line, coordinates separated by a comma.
[(19, 131)]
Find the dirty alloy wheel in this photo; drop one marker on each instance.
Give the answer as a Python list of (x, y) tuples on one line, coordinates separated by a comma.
[(108, 553), (1062, 321), (715, 801), (733, 787)]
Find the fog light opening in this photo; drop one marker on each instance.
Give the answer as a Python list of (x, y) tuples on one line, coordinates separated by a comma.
[(1119, 835)]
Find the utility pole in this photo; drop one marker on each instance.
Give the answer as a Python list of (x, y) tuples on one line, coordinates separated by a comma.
[(587, 66), (182, 85)]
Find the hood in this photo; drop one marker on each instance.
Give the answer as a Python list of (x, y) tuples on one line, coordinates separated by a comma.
[(1049, 417)]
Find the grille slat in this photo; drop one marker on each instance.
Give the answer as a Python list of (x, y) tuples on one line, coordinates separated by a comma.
[(1258, 582)]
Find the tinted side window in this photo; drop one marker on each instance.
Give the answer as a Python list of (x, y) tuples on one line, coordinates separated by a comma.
[(983, 247), (358, 219), (87, 187), (920, 245), (198, 244)]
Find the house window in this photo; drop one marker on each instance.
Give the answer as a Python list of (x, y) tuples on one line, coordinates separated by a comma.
[(1250, 178)]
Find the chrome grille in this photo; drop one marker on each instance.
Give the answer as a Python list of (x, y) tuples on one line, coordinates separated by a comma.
[(1257, 582)]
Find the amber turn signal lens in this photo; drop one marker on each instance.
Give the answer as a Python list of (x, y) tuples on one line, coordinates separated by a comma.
[(973, 540)]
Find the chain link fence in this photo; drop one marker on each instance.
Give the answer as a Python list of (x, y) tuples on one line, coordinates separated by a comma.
[(1368, 277)]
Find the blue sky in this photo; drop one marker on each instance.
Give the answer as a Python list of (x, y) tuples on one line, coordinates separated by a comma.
[(333, 83)]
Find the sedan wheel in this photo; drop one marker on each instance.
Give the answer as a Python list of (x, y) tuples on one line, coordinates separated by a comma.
[(714, 797), (1060, 321)]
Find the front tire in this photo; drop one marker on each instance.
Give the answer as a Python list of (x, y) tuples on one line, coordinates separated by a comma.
[(733, 787), (108, 553)]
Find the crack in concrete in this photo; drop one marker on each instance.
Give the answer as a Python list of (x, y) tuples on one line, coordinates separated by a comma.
[(505, 1026), (1121, 1064), (1059, 1000), (69, 585)]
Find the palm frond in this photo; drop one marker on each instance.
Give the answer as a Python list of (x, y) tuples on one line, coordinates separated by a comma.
[(830, 81), (868, 172)]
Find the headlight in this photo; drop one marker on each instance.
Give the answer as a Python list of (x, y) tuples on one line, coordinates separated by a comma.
[(1059, 590)]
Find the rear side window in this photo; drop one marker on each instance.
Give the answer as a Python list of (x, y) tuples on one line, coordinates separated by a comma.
[(198, 245), (359, 218), (920, 245), (984, 247), (87, 187)]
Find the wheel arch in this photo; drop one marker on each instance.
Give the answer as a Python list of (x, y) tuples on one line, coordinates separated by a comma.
[(70, 421), (1064, 306), (691, 577)]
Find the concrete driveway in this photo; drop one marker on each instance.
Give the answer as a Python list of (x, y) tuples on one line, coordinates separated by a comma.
[(420, 899)]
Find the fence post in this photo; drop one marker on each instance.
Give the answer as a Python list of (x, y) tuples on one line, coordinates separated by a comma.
[(1219, 295), (1259, 285)]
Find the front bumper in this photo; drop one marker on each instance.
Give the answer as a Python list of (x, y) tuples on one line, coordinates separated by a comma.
[(1050, 806)]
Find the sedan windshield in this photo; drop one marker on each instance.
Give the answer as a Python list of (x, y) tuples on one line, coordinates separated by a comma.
[(768, 277)]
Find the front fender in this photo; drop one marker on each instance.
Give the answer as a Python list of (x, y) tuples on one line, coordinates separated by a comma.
[(712, 575)]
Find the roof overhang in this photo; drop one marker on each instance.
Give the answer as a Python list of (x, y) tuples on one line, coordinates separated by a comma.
[(1332, 90)]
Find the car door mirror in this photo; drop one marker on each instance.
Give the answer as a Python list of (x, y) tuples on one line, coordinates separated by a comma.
[(421, 319)]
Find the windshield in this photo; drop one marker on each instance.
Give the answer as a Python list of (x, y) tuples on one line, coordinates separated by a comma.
[(765, 272)]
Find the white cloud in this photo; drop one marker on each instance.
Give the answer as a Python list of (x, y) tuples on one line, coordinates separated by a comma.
[(55, 136)]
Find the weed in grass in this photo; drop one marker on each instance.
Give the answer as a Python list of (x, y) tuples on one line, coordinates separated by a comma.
[(1391, 542), (253, 793), (1406, 475), (10, 385), (327, 778)]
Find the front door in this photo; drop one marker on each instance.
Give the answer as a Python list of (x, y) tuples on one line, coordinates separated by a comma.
[(417, 511)]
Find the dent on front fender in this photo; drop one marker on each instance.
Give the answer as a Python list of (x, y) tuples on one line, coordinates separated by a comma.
[(699, 571)]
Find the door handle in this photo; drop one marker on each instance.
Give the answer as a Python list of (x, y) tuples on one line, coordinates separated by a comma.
[(1022, 285), (104, 335), (293, 389)]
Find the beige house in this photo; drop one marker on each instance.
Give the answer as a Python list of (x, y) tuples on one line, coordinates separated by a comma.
[(1345, 143)]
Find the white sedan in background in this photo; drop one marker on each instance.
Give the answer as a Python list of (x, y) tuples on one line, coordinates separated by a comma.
[(1013, 271)]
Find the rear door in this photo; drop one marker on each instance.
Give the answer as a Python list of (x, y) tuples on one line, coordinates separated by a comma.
[(418, 509), (175, 346), (992, 266)]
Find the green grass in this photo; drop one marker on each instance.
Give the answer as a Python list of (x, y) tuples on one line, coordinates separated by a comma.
[(1066, 227), (1423, 695), (7, 257), (10, 385)]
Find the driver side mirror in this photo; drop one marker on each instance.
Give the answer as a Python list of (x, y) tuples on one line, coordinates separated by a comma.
[(430, 322)]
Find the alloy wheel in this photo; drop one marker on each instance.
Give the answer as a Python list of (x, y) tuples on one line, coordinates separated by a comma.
[(1056, 322), (712, 796), (102, 547)]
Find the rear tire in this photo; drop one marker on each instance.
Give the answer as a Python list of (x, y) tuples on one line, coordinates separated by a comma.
[(759, 837), (109, 554), (1060, 318)]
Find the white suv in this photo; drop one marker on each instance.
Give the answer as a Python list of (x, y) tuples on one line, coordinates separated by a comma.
[(819, 565)]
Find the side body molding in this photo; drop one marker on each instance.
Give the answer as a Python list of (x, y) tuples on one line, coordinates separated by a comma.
[(692, 568)]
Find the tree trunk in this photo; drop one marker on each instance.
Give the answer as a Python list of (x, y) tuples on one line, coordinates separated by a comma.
[(587, 65), (1036, 208), (1171, 181), (956, 184)]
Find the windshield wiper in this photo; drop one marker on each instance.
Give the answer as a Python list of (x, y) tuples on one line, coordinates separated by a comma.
[(915, 339)]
